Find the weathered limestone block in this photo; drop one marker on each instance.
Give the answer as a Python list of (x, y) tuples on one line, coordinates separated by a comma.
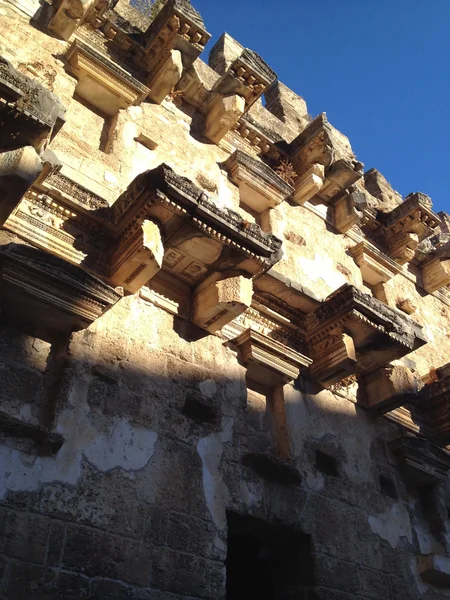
[(436, 274), (68, 16), (168, 76), (139, 257), (287, 106), (388, 388), (309, 183), (223, 114), (101, 82), (260, 187), (434, 569), (375, 268), (222, 301), (19, 169), (170, 45)]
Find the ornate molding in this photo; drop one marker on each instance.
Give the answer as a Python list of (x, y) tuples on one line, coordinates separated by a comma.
[(420, 461)]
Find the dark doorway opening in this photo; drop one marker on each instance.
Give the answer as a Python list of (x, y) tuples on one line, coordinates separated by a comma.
[(267, 561)]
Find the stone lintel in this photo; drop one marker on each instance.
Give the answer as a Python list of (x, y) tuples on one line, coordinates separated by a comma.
[(138, 258), (375, 268), (259, 186), (222, 301), (179, 27), (223, 115), (388, 388), (101, 82), (434, 569), (258, 351), (436, 274), (421, 462), (309, 183), (379, 334), (49, 293)]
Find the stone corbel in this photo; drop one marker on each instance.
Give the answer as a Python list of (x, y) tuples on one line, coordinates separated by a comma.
[(170, 45), (433, 408), (19, 169), (262, 353), (219, 302), (68, 16), (375, 269), (347, 210), (333, 358), (388, 388), (222, 115), (354, 333), (102, 83), (436, 274), (309, 183), (339, 177), (260, 187), (138, 258)]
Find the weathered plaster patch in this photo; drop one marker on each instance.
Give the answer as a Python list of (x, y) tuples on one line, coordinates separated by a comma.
[(124, 447), (208, 388), (210, 450), (393, 524)]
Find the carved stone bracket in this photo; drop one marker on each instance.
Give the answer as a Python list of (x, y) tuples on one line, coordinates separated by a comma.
[(170, 45), (375, 267), (421, 462), (321, 144), (260, 352), (101, 82), (222, 116), (352, 332), (259, 186), (388, 388), (407, 225), (433, 254)]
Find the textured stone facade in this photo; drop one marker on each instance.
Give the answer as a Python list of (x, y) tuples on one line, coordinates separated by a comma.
[(223, 345)]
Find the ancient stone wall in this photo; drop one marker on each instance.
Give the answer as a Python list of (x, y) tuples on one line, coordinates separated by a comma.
[(222, 347)]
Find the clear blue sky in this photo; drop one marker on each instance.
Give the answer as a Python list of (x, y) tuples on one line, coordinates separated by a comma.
[(380, 69)]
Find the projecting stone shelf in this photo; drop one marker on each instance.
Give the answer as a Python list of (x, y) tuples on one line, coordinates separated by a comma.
[(375, 267), (352, 332), (433, 254), (48, 293), (48, 442), (421, 462), (260, 187), (260, 352), (101, 82)]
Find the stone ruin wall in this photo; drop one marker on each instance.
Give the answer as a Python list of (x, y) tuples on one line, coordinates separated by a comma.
[(134, 440)]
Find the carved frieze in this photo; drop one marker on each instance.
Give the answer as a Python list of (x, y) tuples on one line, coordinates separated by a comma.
[(259, 186), (352, 332)]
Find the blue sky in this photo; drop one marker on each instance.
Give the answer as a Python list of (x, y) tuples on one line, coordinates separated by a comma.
[(380, 69)]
